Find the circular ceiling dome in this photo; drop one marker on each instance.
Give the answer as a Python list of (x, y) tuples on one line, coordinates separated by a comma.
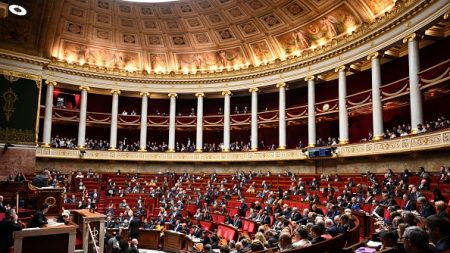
[(192, 36)]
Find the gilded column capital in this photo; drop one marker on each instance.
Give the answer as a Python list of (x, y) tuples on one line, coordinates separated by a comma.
[(172, 95), (281, 85), (86, 88), (115, 92), (227, 92), (142, 94), (254, 89), (51, 82), (310, 78), (340, 68), (410, 37), (374, 56), (199, 94)]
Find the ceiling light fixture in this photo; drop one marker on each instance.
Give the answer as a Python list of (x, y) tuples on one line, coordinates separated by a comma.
[(17, 10)]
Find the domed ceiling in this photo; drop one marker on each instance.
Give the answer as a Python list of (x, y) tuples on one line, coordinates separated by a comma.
[(183, 36)]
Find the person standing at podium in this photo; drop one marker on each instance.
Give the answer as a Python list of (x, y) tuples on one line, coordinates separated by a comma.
[(7, 227), (39, 218)]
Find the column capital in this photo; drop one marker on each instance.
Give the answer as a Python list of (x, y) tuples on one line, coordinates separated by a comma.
[(374, 56), (340, 68), (199, 94), (146, 94), (254, 89), (227, 92), (411, 37), (51, 82), (84, 88), (310, 78), (281, 85), (172, 95), (115, 92)]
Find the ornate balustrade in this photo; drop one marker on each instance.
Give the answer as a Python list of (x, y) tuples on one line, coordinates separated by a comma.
[(427, 141)]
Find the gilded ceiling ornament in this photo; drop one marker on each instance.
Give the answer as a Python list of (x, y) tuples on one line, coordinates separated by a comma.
[(10, 98)]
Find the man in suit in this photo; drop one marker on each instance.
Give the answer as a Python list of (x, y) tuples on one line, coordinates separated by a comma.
[(426, 209), (2, 206), (316, 233), (41, 179), (237, 222), (408, 203), (134, 246), (377, 210), (7, 227), (135, 224), (242, 208), (439, 231), (39, 218)]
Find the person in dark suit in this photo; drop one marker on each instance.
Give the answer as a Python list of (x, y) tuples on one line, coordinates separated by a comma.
[(197, 232), (426, 209), (377, 210), (237, 222), (242, 208), (265, 219), (39, 218), (133, 228), (2, 206), (439, 231), (41, 179), (408, 203), (7, 227), (316, 233)]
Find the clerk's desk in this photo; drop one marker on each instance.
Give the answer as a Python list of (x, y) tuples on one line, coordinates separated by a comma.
[(53, 238)]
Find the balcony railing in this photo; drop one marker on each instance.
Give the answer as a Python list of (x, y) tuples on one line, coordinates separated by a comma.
[(421, 142)]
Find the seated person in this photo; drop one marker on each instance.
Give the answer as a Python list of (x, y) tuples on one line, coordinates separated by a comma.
[(39, 218), (7, 227)]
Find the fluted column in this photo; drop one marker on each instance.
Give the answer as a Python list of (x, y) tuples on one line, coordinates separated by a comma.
[(226, 121), (377, 105), (282, 116), (254, 133), (114, 115), (83, 111), (343, 115), (311, 111), (46, 138), (143, 135), (172, 122), (415, 95), (199, 138)]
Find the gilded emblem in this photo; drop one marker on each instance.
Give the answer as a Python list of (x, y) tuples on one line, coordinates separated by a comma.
[(51, 201), (9, 97)]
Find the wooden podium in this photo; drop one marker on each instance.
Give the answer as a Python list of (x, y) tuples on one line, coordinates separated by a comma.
[(173, 241), (92, 227), (57, 238), (53, 197)]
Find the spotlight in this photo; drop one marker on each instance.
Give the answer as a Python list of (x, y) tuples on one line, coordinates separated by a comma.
[(17, 10)]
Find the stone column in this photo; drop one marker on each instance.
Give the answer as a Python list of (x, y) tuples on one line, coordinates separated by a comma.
[(199, 138), (46, 138), (114, 115), (226, 121), (377, 105), (254, 133), (311, 111), (143, 136), (415, 95), (282, 116), (172, 121), (83, 111), (343, 115)]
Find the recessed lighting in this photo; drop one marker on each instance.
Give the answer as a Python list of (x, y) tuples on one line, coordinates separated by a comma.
[(17, 10)]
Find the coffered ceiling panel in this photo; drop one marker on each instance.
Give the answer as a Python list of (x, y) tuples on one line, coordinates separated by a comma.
[(187, 35)]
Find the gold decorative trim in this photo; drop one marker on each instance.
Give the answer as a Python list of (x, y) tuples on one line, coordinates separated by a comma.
[(112, 149), (86, 88), (410, 37), (115, 91), (281, 85), (254, 89), (282, 148), (172, 95), (144, 94), (45, 145), (224, 93), (311, 145), (142, 150), (199, 94), (254, 149), (51, 83), (199, 150), (340, 68), (20, 75), (378, 137), (170, 150), (343, 142), (374, 56), (310, 78)]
